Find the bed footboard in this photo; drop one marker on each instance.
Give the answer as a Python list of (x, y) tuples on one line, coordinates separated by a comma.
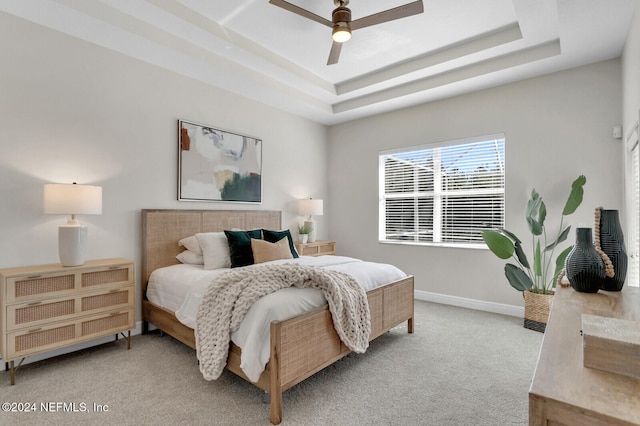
[(305, 344)]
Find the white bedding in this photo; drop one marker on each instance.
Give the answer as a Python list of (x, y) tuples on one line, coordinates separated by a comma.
[(179, 288)]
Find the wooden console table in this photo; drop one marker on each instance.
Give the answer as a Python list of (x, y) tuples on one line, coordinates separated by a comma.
[(563, 391)]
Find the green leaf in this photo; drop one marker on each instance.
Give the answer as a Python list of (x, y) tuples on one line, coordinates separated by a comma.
[(522, 257), (542, 213), (560, 263), (563, 236), (499, 244), (537, 261), (510, 235), (575, 198), (533, 213), (517, 277)]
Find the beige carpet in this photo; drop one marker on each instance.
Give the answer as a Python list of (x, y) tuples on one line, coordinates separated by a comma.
[(461, 367)]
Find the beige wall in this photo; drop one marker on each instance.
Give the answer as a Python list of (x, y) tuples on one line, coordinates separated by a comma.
[(630, 102), (72, 111), (557, 127), (631, 73)]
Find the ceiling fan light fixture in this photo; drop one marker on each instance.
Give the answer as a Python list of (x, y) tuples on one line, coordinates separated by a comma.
[(341, 32)]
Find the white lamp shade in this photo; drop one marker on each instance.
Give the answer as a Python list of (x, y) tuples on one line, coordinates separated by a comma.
[(310, 207), (60, 198)]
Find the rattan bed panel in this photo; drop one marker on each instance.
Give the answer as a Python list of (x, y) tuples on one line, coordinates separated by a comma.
[(263, 219), (162, 229), (398, 303), (216, 221), (306, 344), (376, 304)]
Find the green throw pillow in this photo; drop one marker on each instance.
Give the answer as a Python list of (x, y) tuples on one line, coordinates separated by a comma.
[(240, 252)]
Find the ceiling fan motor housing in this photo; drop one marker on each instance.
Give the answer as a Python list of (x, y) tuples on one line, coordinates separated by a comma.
[(341, 14)]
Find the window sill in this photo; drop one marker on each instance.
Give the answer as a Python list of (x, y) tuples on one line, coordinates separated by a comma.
[(471, 246)]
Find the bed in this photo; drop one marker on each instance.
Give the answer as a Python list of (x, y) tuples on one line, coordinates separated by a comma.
[(301, 345)]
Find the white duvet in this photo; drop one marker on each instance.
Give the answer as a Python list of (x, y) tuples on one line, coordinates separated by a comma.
[(179, 288)]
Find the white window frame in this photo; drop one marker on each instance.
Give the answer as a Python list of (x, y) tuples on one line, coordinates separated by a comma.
[(437, 195), (632, 241)]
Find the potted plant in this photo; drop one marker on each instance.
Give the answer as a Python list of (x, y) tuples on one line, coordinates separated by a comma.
[(536, 280), (303, 233)]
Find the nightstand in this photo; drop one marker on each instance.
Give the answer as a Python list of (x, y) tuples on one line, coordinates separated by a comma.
[(51, 306), (317, 248)]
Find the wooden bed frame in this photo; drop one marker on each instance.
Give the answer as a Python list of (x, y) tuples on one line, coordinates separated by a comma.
[(300, 346)]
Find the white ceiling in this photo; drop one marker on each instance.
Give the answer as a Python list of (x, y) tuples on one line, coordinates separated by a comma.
[(266, 53)]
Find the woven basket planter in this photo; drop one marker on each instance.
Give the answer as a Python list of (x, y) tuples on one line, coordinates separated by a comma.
[(536, 310)]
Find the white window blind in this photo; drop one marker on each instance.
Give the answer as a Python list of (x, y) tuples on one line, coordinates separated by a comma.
[(445, 194)]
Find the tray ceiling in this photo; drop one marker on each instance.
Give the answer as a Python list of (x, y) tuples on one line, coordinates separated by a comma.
[(268, 54)]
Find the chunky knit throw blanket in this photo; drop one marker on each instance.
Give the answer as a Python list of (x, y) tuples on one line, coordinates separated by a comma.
[(231, 294)]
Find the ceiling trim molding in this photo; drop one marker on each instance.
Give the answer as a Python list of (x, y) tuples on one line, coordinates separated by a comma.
[(520, 57), (500, 36)]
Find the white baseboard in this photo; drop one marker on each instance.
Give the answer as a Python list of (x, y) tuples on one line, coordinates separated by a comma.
[(69, 349), (463, 302)]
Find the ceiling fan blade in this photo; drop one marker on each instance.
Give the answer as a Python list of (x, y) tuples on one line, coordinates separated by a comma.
[(389, 15), (334, 55), (302, 12)]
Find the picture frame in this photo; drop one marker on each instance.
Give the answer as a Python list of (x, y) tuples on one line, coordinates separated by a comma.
[(218, 165)]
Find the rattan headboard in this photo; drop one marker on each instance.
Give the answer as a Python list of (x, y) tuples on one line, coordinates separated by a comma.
[(162, 229)]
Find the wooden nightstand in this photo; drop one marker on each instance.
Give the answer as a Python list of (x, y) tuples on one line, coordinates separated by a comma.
[(317, 248), (51, 306)]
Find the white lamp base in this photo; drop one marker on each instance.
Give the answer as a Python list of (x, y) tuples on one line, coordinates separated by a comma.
[(311, 224), (72, 245)]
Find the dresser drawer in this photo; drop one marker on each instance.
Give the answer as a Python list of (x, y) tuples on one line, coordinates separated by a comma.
[(316, 248), (109, 276), (40, 339), (50, 310), (37, 286)]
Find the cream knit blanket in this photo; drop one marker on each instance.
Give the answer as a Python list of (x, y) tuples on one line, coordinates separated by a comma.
[(231, 294)]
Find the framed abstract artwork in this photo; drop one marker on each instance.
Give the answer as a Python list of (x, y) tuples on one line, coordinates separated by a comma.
[(217, 165)]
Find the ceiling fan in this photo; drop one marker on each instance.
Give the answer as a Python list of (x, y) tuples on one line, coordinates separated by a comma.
[(342, 24)]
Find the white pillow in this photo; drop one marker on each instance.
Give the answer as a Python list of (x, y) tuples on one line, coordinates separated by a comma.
[(215, 250), (190, 258), (191, 243)]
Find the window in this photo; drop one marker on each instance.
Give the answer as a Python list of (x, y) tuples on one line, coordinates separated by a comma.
[(443, 194)]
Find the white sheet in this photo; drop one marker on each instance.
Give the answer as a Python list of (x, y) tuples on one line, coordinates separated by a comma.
[(179, 288)]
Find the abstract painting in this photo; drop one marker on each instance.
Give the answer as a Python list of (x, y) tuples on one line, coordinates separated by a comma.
[(218, 165)]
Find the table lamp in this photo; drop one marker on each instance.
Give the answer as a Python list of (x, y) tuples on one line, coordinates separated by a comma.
[(73, 199), (312, 208)]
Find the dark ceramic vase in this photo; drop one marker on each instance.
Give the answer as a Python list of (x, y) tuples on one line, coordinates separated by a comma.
[(584, 266), (612, 243)]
